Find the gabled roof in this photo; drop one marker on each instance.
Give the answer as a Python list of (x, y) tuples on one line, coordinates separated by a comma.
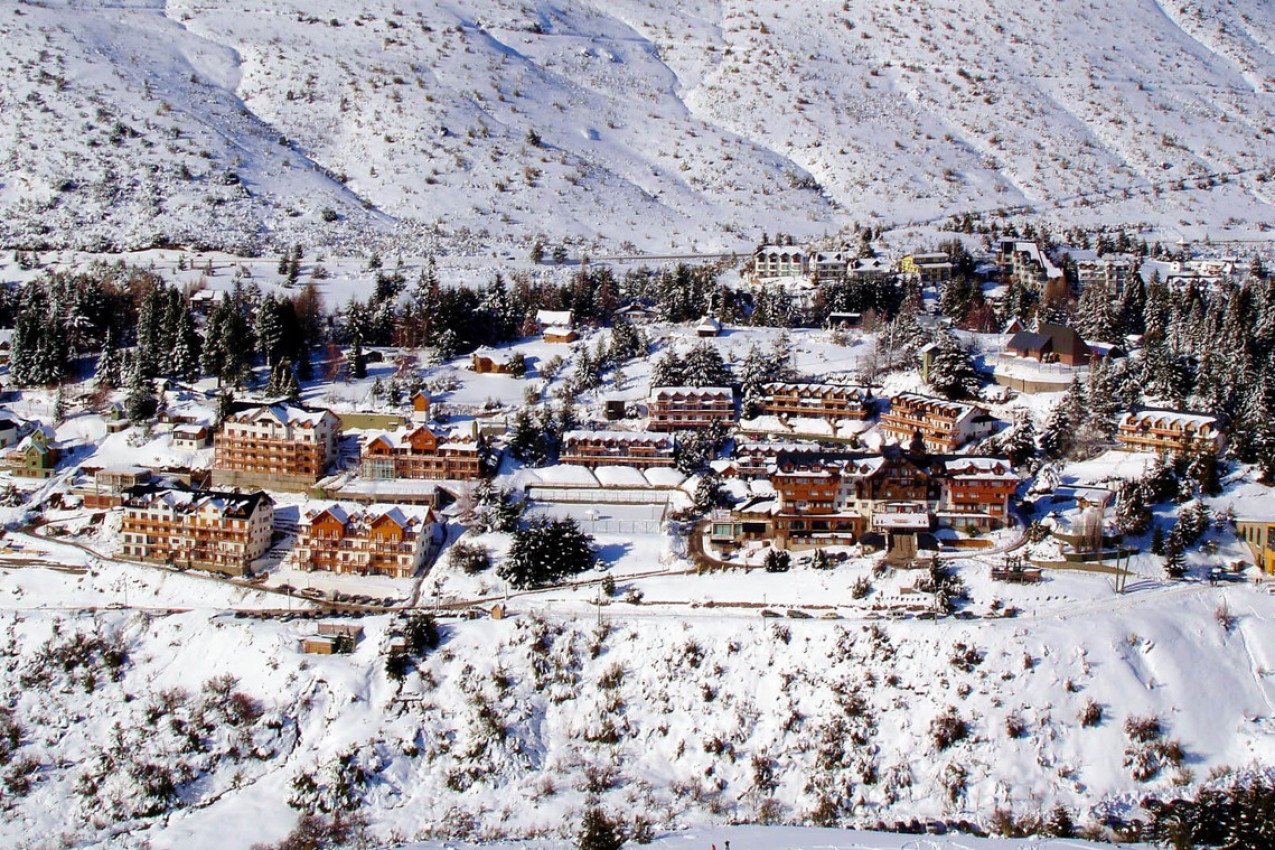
[(285, 414)]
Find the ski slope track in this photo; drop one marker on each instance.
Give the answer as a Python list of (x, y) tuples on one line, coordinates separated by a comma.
[(629, 125)]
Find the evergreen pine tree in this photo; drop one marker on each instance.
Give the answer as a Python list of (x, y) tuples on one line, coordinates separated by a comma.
[(704, 367), (668, 370), (110, 363), (1157, 540), (183, 356), (951, 373), (1174, 555), (754, 375), (1019, 445), (268, 329), (141, 403), (545, 551), (358, 360)]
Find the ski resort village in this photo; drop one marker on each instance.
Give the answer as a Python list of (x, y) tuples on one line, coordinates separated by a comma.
[(579, 425), (531, 530)]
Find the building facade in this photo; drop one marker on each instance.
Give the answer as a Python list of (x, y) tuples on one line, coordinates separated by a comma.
[(690, 408), (616, 448), (198, 529), (278, 447), (816, 401), (423, 453), (773, 261), (365, 540), (1170, 431), (944, 425), (834, 499)]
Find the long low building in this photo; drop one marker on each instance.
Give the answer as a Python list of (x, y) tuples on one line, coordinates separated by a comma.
[(199, 529), (1170, 431), (819, 401), (690, 408), (617, 448)]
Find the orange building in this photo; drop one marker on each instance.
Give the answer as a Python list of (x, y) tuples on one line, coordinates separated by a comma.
[(818, 401), (422, 452), (200, 529), (977, 492), (278, 447), (616, 448), (944, 425), (1168, 431), (688, 408), (377, 540)]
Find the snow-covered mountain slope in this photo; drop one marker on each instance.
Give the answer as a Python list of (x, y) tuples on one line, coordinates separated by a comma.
[(703, 719), (670, 125)]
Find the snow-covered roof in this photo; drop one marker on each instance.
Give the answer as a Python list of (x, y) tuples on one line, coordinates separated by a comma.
[(567, 473), (621, 476), (980, 467), (664, 392), (284, 413), (1169, 417), (616, 436), (664, 476), (554, 317), (961, 409)]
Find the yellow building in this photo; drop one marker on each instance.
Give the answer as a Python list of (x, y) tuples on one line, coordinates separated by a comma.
[(1256, 532)]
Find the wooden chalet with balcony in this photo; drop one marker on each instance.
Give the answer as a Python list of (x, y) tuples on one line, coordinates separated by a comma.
[(198, 529), (357, 540), (824, 499), (690, 408), (617, 448), (977, 493), (830, 402), (1170, 431), (423, 452), (276, 447), (944, 425)]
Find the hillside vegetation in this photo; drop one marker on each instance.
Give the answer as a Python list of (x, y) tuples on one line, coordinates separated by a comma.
[(651, 125)]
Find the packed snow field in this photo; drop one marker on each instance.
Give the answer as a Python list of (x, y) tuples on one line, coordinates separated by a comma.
[(622, 126)]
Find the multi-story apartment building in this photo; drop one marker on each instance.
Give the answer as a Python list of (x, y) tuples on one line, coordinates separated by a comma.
[(375, 540), (617, 448), (832, 499), (199, 529), (688, 408), (817, 401), (1111, 271), (1026, 264), (772, 261), (927, 268), (278, 447), (977, 492), (944, 425), (1168, 431), (421, 452)]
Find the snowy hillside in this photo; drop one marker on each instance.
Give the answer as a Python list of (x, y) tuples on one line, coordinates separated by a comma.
[(701, 719), (650, 125)]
